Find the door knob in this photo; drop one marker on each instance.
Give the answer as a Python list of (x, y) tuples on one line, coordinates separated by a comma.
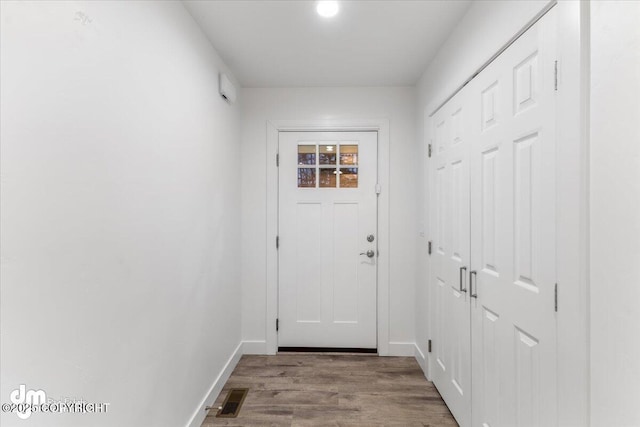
[(370, 253)]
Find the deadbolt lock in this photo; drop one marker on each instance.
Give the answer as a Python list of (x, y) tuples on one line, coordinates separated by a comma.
[(370, 238)]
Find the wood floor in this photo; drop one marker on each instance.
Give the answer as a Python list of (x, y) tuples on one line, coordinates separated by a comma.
[(296, 389)]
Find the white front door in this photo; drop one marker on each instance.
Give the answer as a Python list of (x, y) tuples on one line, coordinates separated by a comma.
[(513, 239), (327, 253), (450, 258)]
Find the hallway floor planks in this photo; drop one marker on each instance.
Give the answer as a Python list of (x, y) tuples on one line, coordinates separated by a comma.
[(302, 389)]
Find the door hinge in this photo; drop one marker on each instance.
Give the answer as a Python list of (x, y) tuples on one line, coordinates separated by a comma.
[(277, 159), (378, 188), (430, 149), (277, 242), (555, 298), (555, 76), (429, 246), (429, 346), (277, 325)]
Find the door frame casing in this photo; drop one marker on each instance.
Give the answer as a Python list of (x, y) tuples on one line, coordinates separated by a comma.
[(274, 127)]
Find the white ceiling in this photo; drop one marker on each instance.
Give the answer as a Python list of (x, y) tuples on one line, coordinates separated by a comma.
[(285, 43)]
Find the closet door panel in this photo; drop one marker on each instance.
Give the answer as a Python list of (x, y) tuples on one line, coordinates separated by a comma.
[(450, 260), (513, 234), (439, 281)]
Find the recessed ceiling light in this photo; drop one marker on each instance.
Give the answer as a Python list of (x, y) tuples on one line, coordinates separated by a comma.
[(327, 8)]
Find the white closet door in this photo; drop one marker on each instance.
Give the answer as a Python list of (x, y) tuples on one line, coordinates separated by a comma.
[(513, 234), (450, 258)]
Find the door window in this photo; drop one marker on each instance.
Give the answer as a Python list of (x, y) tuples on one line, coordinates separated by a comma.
[(328, 165)]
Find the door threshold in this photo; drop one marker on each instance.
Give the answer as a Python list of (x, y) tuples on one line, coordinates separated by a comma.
[(327, 350)]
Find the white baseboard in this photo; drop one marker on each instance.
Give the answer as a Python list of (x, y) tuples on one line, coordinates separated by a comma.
[(199, 415), (254, 347), (402, 349), (422, 360)]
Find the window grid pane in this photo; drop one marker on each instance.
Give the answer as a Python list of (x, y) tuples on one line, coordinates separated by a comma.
[(306, 154), (306, 177), (349, 178), (328, 177), (349, 155), (328, 154)]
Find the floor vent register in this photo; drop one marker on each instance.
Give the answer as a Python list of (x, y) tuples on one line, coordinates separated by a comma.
[(232, 403)]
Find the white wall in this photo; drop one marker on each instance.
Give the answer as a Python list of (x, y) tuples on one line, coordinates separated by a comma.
[(615, 213), (120, 210), (261, 105)]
